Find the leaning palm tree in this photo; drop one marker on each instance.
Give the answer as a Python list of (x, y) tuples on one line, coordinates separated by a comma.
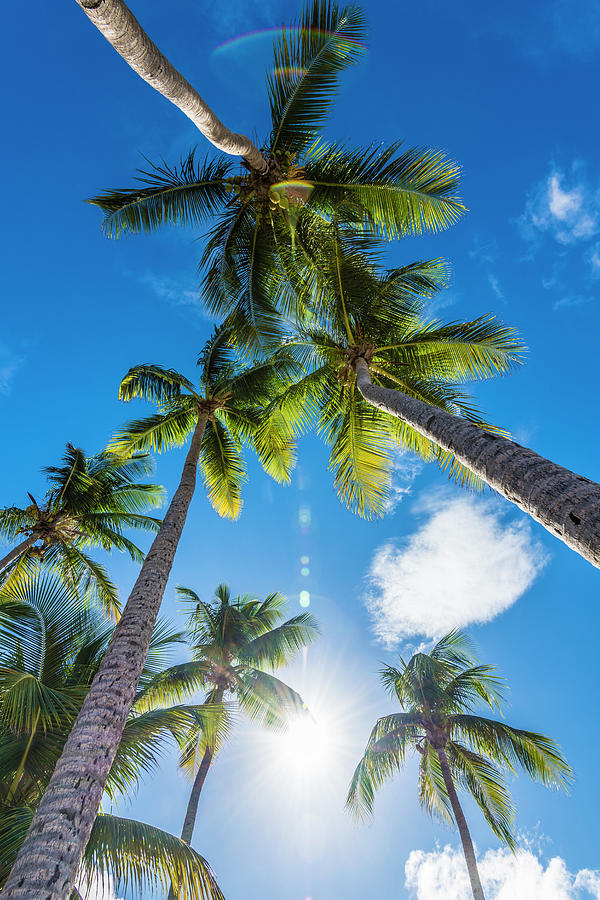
[(89, 503), (438, 692), (398, 381), (354, 304), (51, 645), (260, 212), (225, 410), (234, 644)]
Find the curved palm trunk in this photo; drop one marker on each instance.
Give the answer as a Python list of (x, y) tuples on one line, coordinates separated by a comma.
[(17, 551), (49, 858), (463, 828), (121, 29), (566, 504)]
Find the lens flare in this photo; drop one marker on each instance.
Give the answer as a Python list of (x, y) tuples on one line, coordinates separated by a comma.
[(305, 598)]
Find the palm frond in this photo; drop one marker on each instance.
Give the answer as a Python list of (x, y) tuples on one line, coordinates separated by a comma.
[(144, 858), (223, 470), (308, 59), (177, 195), (276, 646), (396, 194), (153, 382)]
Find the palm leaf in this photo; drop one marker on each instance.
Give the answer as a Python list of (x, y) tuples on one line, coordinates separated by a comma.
[(179, 195), (307, 62), (223, 470), (144, 858)]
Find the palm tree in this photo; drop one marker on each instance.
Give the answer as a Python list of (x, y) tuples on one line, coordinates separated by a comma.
[(234, 642), (89, 503), (438, 692), (398, 374), (353, 304), (392, 191), (227, 408), (51, 645)]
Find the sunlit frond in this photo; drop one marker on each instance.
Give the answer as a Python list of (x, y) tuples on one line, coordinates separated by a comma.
[(144, 858)]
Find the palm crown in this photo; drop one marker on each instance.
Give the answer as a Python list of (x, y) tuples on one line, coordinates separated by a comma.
[(355, 309), (236, 643), (438, 692), (90, 502), (392, 192), (231, 398), (50, 649)]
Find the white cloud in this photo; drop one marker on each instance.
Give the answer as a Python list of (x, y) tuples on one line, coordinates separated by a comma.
[(594, 260), (570, 300), (568, 212), (495, 286), (442, 875), (405, 469), (10, 364), (463, 565)]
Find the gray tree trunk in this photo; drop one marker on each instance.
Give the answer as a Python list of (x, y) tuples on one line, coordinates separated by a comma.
[(566, 504), (463, 828), (49, 858), (121, 29), (17, 551)]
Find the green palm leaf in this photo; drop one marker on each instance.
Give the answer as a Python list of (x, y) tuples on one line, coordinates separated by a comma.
[(186, 194), (144, 858), (223, 470), (396, 194), (307, 62)]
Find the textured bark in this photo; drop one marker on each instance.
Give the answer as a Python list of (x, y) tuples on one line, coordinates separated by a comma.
[(566, 504), (121, 29), (48, 861), (17, 551), (463, 828)]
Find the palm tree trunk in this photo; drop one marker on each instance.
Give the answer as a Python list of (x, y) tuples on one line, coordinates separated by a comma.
[(121, 29), (463, 828), (17, 551), (49, 858), (192, 808), (566, 504)]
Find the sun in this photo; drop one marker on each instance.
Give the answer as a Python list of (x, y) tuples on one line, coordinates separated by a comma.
[(306, 746)]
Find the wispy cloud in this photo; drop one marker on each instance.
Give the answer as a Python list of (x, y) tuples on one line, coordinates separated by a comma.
[(442, 875), (571, 300), (175, 292), (10, 363), (465, 564), (405, 469), (495, 286), (594, 260), (565, 207)]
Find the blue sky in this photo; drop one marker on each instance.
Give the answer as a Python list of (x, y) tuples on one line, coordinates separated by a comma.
[(508, 91)]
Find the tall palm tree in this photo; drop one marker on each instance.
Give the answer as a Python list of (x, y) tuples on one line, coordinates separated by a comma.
[(228, 400), (51, 645), (398, 374), (438, 693), (89, 503), (393, 191), (234, 644), (353, 303)]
